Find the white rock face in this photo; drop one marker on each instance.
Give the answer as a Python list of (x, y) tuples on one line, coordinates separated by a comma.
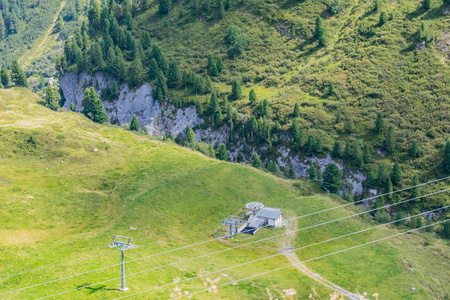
[(150, 114)]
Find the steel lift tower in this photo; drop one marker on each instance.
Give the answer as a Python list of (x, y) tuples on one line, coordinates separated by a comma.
[(233, 221), (124, 243)]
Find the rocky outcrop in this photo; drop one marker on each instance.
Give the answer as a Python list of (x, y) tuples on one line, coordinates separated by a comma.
[(160, 119)]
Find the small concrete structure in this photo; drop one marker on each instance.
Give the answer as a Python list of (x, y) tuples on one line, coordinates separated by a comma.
[(261, 217), (272, 217)]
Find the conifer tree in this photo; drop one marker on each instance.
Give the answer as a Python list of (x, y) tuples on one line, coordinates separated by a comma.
[(383, 19), (93, 107), (414, 150), (212, 152), (135, 74), (332, 178), (389, 187), (97, 57), (338, 117), (223, 155), (318, 146), (174, 75), (165, 6), (271, 166), (396, 175), (370, 181), (379, 124), (415, 191), (292, 173), (50, 98), (161, 85), (190, 136), (220, 9), (381, 175), (389, 142), (320, 31), (296, 110), (331, 89), (219, 64), (219, 119), (367, 153), (17, 75), (426, 4), (146, 40), (153, 69), (213, 104), (312, 173), (310, 145), (350, 125), (72, 106), (446, 161), (295, 130), (236, 90), (256, 161), (252, 96), (134, 125), (2, 27), (4, 78)]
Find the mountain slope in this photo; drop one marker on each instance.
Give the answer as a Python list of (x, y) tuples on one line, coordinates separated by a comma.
[(67, 184)]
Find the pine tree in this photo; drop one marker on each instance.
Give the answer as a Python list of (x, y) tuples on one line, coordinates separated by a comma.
[(296, 110), (135, 74), (17, 75), (271, 166), (94, 12), (97, 57), (320, 31), (292, 173), (219, 64), (165, 6), (389, 187), (5, 78), (350, 125), (252, 96), (338, 117), (331, 89), (213, 104), (50, 98), (389, 142), (236, 90), (256, 161), (223, 155), (446, 161), (426, 4), (445, 232), (367, 153), (146, 40), (134, 125), (312, 173), (153, 70), (396, 175), (370, 181), (414, 150), (93, 107), (415, 191), (310, 145), (220, 9), (381, 175), (379, 124), (2, 27), (295, 131), (190, 136), (212, 152), (174, 75), (332, 178), (383, 19), (318, 146)]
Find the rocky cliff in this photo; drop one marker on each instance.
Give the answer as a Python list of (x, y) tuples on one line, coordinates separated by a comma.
[(160, 119)]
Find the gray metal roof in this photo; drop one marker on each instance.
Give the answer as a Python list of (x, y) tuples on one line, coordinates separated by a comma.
[(256, 223), (267, 213)]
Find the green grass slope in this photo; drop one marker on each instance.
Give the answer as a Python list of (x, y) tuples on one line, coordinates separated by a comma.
[(67, 184)]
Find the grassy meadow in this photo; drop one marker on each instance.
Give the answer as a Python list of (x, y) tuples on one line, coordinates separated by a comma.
[(67, 184)]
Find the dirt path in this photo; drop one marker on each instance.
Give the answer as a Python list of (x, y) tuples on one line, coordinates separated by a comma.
[(37, 50), (287, 248)]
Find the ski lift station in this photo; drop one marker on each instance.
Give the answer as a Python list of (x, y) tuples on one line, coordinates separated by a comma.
[(261, 216)]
